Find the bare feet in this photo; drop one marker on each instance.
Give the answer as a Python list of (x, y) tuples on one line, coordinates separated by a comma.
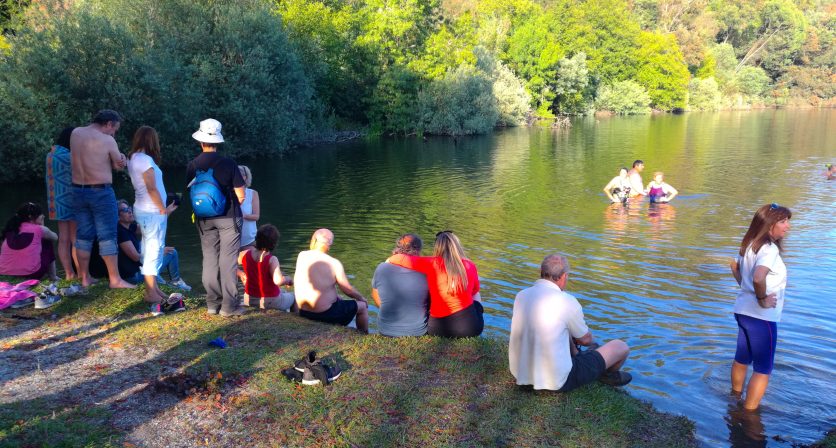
[(121, 284), (87, 282)]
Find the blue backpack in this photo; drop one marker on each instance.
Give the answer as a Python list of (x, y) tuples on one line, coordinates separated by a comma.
[(208, 199)]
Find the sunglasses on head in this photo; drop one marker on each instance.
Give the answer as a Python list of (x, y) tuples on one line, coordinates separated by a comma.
[(443, 231), (773, 206)]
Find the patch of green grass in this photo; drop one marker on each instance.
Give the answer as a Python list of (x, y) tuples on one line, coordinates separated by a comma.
[(393, 392), (829, 440), (40, 424)]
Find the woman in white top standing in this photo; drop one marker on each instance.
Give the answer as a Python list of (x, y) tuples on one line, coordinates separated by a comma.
[(762, 276), (150, 210), (250, 208)]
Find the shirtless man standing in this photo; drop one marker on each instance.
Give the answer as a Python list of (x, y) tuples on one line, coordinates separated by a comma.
[(94, 157), (635, 177), (315, 281)]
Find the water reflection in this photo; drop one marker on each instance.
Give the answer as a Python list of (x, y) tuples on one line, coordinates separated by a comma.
[(746, 429)]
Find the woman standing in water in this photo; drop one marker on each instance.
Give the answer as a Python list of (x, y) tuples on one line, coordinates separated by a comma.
[(762, 276)]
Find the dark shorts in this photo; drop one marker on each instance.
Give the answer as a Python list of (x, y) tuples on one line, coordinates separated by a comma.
[(587, 367), (461, 324), (47, 257), (342, 312), (756, 342)]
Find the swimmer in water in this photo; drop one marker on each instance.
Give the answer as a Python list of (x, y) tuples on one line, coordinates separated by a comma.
[(831, 171), (658, 191), (618, 189)]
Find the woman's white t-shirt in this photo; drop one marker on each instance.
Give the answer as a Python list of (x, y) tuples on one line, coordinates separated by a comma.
[(248, 230), (776, 282), (140, 163)]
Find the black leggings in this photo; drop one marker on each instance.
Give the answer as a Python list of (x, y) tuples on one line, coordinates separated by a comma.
[(461, 324)]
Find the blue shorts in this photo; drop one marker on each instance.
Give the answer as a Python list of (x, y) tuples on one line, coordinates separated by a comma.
[(756, 341), (94, 209)]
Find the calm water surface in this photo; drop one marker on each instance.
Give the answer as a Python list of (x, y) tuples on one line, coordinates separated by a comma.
[(654, 276)]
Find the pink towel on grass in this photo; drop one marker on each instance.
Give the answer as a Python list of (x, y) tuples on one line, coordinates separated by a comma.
[(10, 293)]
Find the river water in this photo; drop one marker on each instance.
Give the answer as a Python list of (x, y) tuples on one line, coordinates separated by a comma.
[(655, 276)]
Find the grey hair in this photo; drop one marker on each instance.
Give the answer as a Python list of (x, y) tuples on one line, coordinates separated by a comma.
[(553, 267)]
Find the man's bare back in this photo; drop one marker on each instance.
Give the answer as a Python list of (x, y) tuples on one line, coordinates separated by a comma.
[(315, 280), (95, 154)]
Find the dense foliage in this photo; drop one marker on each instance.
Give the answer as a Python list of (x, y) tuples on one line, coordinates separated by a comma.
[(273, 70), (167, 63)]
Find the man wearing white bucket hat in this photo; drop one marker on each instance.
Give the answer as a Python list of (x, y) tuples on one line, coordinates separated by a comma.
[(216, 191)]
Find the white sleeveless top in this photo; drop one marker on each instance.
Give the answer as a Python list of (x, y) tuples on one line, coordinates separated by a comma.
[(249, 228)]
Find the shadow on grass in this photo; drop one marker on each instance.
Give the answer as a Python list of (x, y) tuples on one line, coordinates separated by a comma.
[(32, 422)]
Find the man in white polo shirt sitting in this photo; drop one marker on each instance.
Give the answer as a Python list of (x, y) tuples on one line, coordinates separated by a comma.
[(547, 325)]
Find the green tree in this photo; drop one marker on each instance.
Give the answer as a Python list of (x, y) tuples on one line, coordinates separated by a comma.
[(571, 85), (704, 94), (446, 49), (459, 104), (396, 30), (342, 72), (512, 99), (753, 81), (623, 97), (662, 71), (393, 107), (725, 64), (167, 64)]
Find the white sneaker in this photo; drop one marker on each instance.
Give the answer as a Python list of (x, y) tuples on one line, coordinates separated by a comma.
[(46, 301), (181, 284)]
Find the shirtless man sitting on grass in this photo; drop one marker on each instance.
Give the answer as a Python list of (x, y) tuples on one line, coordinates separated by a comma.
[(315, 283), (94, 157)]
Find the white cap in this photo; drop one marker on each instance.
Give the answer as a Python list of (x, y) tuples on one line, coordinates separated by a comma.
[(209, 132)]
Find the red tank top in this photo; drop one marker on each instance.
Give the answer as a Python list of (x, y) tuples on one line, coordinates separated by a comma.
[(259, 278)]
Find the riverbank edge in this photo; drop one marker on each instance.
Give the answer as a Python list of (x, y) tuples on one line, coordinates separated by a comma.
[(147, 381)]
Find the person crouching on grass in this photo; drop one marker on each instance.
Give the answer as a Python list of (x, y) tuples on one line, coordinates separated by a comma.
[(262, 275)]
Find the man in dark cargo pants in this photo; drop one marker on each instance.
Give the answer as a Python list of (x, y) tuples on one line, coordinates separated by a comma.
[(220, 236)]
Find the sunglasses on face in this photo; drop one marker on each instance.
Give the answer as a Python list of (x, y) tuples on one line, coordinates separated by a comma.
[(125, 210)]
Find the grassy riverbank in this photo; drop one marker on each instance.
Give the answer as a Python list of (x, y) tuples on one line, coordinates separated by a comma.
[(98, 370)]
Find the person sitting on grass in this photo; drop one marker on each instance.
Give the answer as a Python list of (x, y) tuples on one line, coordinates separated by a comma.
[(547, 324), (401, 294), (455, 301), (658, 191), (129, 259), (315, 281), (27, 249), (262, 275)]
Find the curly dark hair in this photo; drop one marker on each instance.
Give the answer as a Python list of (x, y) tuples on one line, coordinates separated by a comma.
[(266, 237)]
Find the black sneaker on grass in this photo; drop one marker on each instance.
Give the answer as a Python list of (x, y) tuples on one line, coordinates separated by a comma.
[(616, 379), (292, 374), (300, 364), (313, 371)]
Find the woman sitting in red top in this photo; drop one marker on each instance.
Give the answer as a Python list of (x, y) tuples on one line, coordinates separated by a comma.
[(27, 245), (262, 275), (455, 308)]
